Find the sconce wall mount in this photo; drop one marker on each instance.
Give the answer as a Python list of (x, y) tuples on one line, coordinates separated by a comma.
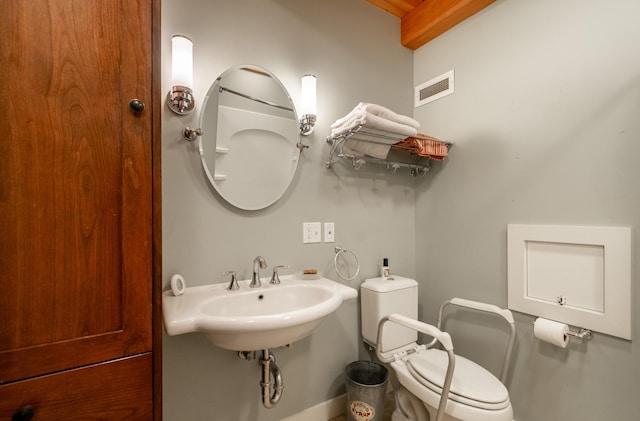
[(307, 123), (180, 100)]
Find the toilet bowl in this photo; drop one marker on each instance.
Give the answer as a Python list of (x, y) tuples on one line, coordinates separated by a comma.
[(419, 372)]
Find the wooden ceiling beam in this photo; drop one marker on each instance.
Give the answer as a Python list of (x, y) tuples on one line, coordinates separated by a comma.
[(431, 18), (398, 8)]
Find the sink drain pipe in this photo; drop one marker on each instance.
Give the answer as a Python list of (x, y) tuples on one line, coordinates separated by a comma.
[(271, 390)]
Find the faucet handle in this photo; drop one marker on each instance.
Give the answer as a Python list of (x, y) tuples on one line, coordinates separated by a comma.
[(233, 284), (275, 279)]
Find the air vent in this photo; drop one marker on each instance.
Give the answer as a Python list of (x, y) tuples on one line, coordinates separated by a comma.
[(436, 88)]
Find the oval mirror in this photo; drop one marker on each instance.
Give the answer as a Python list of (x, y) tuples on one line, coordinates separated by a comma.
[(250, 132)]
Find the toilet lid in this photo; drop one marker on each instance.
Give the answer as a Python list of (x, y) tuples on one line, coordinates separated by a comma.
[(471, 385)]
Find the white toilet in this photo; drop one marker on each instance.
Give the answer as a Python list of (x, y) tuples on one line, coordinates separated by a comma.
[(418, 372)]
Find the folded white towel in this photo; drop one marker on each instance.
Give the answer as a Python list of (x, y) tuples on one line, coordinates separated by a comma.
[(371, 142), (347, 123), (383, 112), (373, 121), (377, 110), (359, 147)]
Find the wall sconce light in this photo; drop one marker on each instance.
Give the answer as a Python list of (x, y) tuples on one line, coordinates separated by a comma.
[(180, 98), (308, 104)]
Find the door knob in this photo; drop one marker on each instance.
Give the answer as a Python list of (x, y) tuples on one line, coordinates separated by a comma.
[(136, 105), (25, 413)]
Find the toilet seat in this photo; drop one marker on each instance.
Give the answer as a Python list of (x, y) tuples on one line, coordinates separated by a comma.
[(465, 402), (472, 384)]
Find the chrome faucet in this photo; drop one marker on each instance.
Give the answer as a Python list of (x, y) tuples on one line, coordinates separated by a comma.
[(258, 263)]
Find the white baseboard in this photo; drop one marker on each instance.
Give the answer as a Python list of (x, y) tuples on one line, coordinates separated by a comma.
[(322, 411)]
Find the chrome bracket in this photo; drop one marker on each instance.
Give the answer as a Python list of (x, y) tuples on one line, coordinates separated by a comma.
[(583, 334), (306, 124), (191, 134), (180, 100)]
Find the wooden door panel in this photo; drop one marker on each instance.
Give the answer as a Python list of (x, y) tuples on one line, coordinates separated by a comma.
[(117, 390), (58, 194), (75, 184)]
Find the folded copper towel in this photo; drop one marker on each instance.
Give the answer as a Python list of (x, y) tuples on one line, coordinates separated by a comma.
[(424, 145)]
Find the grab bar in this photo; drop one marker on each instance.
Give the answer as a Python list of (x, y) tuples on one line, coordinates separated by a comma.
[(442, 337), (489, 308)]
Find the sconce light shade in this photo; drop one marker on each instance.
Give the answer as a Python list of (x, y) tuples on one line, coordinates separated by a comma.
[(180, 97), (308, 93), (308, 104), (181, 61)]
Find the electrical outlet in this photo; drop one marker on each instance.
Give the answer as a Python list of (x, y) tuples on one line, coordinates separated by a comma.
[(329, 232), (311, 232)]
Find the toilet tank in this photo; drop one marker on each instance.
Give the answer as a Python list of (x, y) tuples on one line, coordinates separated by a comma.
[(380, 297)]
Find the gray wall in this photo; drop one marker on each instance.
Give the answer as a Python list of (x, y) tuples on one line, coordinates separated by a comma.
[(354, 50), (546, 123)]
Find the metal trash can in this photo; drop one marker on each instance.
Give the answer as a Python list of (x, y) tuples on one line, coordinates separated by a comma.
[(366, 383)]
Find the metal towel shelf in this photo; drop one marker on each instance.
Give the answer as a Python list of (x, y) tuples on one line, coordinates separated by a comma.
[(418, 165)]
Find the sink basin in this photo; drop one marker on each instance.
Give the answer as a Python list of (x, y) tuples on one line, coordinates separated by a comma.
[(251, 319)]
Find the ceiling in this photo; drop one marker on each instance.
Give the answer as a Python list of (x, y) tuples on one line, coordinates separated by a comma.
[(424, 20)]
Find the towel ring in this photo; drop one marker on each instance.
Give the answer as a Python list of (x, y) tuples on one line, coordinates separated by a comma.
[(340, 250)]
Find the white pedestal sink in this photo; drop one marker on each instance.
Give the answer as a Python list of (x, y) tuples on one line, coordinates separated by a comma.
[(251, 319)]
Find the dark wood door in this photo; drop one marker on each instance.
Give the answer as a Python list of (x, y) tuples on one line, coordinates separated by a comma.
[(75, 184)]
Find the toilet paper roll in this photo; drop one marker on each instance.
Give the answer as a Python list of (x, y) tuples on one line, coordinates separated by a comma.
[(177, 284), (553, 332)]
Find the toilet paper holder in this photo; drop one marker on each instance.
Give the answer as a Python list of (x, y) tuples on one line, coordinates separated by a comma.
[(582, 334)]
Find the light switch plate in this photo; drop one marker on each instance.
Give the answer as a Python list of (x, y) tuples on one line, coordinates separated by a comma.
[(311, 232)]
